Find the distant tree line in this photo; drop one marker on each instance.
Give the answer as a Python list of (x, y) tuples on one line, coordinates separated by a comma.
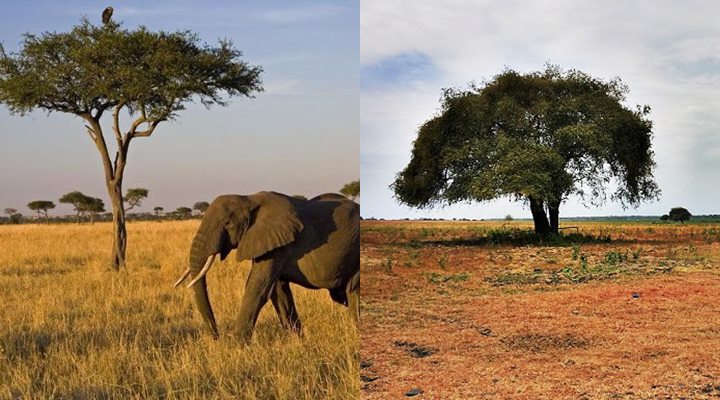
[(90, 209)]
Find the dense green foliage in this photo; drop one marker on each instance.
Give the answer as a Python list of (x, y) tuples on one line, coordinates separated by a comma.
[(183, 211), (83, 204), (201, 206), (41, 206), (539, 137), (135, 196), (94, 68), (679, 214), (351, 190)]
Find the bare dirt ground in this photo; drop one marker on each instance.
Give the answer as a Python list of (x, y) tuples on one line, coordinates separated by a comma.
[(458, 310)]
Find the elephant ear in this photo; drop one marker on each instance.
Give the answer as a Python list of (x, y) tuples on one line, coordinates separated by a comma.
[(274, 223)]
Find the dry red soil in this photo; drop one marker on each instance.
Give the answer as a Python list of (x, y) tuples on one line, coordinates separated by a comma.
[(635, 317)]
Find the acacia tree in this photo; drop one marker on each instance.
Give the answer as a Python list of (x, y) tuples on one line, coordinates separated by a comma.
[(183, 212), (158, 210), (351, 190), (149, 76), (537, 137), (134, 197), (77, 199), (201, 206), (91, 206), (41, 206)]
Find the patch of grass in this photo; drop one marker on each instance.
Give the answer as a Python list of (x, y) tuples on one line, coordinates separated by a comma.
[(434, 277), (711, 234), (616, 257), (538, 343), (613, 264), (70, 328), (413, 258), (387, 265), (442, 261)]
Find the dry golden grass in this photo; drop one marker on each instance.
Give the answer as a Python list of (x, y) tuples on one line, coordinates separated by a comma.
[(460, 317), (70, 328)]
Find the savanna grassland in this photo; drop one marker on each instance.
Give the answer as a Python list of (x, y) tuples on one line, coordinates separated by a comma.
[(484, 310), (72, 329)]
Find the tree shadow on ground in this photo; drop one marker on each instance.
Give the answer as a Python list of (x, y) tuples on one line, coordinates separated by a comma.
[(520, 237)]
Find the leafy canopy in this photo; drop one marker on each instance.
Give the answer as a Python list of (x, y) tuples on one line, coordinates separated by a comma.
[(41, 205), (544, 135), (93, 68), (201, 206), (83, 203), (135, 196), (351, 189), (75, 198), (679, 214), (185, 211)]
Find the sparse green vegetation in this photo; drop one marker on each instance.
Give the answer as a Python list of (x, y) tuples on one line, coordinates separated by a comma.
[(434, 277)]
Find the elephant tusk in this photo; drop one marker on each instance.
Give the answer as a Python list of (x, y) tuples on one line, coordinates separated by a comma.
[(182, 278), (203, 271)]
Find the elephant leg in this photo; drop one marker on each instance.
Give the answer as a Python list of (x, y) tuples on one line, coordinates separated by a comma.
[(284, 304), (353, 296), (258, 287)]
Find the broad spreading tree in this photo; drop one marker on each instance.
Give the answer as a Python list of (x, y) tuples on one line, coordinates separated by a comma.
[(41, 206), (91, 207), (183, 212), (679, 214), (107, 71), (201, 206), (538, 137), (134, 197), (158, 210), (78, 200), (351, 190)]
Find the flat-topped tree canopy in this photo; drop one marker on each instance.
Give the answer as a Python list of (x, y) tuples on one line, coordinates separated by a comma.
[(93, 68)]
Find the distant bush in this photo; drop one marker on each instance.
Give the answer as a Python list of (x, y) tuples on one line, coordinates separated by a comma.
[(679, 214)]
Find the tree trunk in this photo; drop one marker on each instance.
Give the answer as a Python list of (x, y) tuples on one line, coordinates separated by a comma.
[(119, 231), (554, 211), (540, 219)]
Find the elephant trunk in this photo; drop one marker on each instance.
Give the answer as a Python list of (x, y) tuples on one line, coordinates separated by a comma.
[(201, 254)]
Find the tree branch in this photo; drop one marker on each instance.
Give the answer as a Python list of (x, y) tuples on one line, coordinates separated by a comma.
[(148, 131), (96, 134), (116, 121)]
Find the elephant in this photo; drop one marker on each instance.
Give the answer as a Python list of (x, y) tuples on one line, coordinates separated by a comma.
[(312, 243)]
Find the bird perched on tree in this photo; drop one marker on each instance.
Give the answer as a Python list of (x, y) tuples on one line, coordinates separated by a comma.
[(106, 15)]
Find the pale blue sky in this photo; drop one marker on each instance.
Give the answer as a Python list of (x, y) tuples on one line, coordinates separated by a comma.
[(300, 136), (668, 53)]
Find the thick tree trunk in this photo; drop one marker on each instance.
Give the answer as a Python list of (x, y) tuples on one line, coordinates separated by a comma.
[(540, 219), (119, 232), (554, 211)]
